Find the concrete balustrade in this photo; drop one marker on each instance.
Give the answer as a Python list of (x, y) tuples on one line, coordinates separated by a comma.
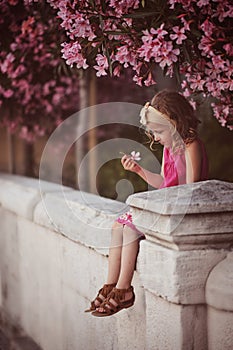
[(53, 259)]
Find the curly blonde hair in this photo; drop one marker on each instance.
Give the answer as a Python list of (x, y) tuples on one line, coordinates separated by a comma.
[(179, 111)]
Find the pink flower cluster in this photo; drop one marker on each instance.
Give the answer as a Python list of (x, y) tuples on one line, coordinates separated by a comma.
[(186, 37), (34, 95)]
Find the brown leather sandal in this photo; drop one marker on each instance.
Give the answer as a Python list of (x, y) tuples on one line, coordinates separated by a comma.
[(101, 296), (118, 296)]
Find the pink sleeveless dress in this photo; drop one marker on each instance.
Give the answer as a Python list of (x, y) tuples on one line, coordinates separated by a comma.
[(174, 173)]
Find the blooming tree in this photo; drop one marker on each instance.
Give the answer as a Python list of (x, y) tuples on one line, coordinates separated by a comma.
[(189, 39), (36, 91)]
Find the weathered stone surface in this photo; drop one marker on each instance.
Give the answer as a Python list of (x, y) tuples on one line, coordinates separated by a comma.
[(52, 284), (219, 287), (184, 217), (82, 217), (220, 329), (20, 195), (177, 276), (164, 320), (53, 261), (199, 197)]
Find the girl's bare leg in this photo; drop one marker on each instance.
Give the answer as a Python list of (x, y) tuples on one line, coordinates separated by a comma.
[(125, 260), (129, 254), (114, 259)]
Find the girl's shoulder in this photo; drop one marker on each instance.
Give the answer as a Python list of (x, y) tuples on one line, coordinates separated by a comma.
[(194, 146), (195, 150)]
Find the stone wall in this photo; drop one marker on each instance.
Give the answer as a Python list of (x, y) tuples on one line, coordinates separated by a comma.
[(53, 259)]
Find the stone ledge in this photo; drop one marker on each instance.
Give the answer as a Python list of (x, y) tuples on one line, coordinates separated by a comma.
[(188, 216), (20, 194), (199, 197), (80, 216)]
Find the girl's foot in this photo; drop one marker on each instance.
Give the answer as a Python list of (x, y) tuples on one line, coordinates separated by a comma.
[(101, 296), (117, 300)]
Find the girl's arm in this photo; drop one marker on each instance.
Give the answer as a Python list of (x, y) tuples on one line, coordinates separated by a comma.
[(152, 179), (193, 157)]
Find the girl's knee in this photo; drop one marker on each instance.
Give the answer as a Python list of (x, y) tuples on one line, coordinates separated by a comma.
[(130, 233), (117, 226)]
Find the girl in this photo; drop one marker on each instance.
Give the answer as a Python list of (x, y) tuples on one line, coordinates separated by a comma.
[(169, 119)]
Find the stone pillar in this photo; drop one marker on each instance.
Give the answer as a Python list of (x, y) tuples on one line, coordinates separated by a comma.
[(219, 298), (189, 230)]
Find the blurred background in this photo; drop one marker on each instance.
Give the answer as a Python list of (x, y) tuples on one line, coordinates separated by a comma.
[(38, 91), (19, 156)]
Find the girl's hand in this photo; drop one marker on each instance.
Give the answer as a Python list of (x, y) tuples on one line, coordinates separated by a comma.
[(130, 164)]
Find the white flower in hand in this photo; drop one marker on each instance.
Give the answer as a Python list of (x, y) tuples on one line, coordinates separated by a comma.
[(135, 155)]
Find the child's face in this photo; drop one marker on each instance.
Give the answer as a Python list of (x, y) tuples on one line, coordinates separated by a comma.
[(162, 133)]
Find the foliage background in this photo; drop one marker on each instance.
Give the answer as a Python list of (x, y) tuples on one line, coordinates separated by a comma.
[(46, 105)]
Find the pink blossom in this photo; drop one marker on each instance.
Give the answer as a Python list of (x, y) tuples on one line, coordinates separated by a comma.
[(150, 46), (123, 6), (218, 62), (179, 35), (149, 81), (135, 155), (145, 51), (137, 79), (27, 60), (193, 104), (72, 55), (147, 37), (102, 65), (125, 55), (167, 55), (117, 71), (172, 3), (48, 87), (8, 93), (221, 12), (137, 67), (81, 28), (102, 60), (186, 24), (229, 69), (160, 32), (48, 106), (88, 26), (205, 45), (170, 71), (222, 84), (202, 3), (221, 112), (196, 82), (13, 2), (19, 71), (212, 71), (7, 63), (185, 3), (211, 86), (186, 93), (229, 49), (207, 27), (27, 25)]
